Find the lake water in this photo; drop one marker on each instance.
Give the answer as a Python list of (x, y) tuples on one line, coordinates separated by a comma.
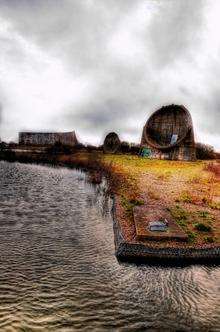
[(58, 271)]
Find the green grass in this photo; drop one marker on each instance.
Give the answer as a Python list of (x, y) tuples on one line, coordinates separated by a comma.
[(179, 214), (130, 204), (185, 197), (209, 239), (214, 205), (191, 236), (203, 227), (203, 214), (187, 183)]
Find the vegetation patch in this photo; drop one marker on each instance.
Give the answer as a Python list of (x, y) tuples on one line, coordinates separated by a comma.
[(185, 197), (130, 204), (191, 236), (203, 227), (209, 239), (179, 214), (214, 205)]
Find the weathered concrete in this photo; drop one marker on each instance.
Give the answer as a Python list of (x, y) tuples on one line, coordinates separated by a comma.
[(139, 251), (169, 134), (145, 214), (33, 138), (111, 143)]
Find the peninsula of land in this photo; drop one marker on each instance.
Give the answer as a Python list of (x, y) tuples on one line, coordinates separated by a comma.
[(186, 194)]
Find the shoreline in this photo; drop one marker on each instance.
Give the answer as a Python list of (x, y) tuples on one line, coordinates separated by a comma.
[(127, 249)]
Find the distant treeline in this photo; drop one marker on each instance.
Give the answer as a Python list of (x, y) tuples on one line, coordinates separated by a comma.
[(203, 151)]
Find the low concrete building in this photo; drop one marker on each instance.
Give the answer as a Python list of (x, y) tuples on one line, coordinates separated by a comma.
[(43, 138)]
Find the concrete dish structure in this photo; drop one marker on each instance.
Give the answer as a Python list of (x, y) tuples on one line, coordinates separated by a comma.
[(112, 143), (169, 134)]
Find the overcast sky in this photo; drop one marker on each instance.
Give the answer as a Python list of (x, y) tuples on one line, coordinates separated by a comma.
[(100, 65)]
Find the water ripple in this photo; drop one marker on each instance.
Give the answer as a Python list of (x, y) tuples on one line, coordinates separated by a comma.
[(58, 271)]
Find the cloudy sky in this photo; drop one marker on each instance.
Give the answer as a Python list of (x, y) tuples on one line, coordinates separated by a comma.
[(102, 65)]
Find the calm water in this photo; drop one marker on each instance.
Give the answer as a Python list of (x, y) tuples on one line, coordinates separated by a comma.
[(58, 271)]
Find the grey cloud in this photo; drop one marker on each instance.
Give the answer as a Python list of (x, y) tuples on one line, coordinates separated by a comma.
[(175, 32), (125, 92), (76, 31), (0, 113), (210, 122), (108, 114)]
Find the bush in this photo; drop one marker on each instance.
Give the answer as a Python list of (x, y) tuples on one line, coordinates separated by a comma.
[(203, 228), (179, 214), (59, 148), (186, 197), (12, 145), (134, 148), (79, 146), (3, 146), (91, 148), (208, 239), (125, 147), (204, 151), (191, 236)]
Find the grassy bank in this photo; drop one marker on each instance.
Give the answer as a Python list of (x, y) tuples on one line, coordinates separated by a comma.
[(190, 191)]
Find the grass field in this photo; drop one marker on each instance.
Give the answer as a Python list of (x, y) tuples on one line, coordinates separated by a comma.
[(190, 191)]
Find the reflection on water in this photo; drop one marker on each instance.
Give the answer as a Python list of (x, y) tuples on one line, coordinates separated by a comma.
[(58, 271)]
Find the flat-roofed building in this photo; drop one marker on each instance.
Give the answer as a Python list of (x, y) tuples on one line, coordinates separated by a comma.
[(44, 138)]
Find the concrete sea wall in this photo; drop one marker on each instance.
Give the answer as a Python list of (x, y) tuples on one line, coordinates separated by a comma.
[(136, 251)]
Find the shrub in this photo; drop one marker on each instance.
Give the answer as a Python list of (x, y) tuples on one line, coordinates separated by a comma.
[(134, 148), (186, 197), (7, 155), (204, 151), (208, 239), (191, 236), (179, 214), (79, 146), (214, 205), (3, 146), (130, 204), (125, 147), (91, 148), (136, 202), (203, 227), (12, 145), (59, 148), (204, 214)]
